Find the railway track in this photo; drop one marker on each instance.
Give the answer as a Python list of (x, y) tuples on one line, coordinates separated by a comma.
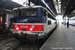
[(30, 46), (14, 44), (9, 44), (34, 46)]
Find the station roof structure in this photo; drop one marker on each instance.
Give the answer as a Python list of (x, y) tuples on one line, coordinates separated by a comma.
[(64, 7)]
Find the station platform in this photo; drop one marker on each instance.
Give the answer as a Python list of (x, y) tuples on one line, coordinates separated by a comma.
[(62, 38)]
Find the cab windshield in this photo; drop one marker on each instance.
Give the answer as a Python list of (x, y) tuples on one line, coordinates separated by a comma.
[(25, 12)]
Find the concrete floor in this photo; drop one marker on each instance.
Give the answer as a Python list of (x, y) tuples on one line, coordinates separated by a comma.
[(62, 38)]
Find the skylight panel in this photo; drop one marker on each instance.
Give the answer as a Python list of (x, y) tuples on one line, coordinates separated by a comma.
[(21, 2)]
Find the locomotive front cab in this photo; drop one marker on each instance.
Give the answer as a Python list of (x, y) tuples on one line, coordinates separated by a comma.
[(29, 21)]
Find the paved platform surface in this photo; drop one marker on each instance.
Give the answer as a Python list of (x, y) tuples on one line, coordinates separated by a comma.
[(62, 38)]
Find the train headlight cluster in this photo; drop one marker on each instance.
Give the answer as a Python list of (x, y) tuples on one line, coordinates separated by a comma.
[(33, 26), (5, 23), (17, 28), (31, 29)]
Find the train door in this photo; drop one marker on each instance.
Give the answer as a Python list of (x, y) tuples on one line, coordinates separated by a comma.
[(4, 21), (0, 22), (49, 23)]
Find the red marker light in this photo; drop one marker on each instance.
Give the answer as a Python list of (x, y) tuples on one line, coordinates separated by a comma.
[(31, 29), (5, 23), (17, 28)]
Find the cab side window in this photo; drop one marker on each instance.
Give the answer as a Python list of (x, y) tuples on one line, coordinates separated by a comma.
[(49, 22)]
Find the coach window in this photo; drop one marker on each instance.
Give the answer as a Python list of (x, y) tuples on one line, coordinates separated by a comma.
[(49, 22)]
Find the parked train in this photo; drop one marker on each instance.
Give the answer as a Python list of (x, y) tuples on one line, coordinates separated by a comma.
[(4, 22), (32, 22), (72, 22)]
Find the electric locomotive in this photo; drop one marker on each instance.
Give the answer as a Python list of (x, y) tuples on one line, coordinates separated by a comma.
[(32, 22)]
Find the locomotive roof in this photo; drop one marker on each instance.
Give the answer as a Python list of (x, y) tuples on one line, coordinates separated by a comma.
[(27, 7), (35, 7)]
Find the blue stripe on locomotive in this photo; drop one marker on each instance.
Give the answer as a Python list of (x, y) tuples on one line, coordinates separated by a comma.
[(38, 18)]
